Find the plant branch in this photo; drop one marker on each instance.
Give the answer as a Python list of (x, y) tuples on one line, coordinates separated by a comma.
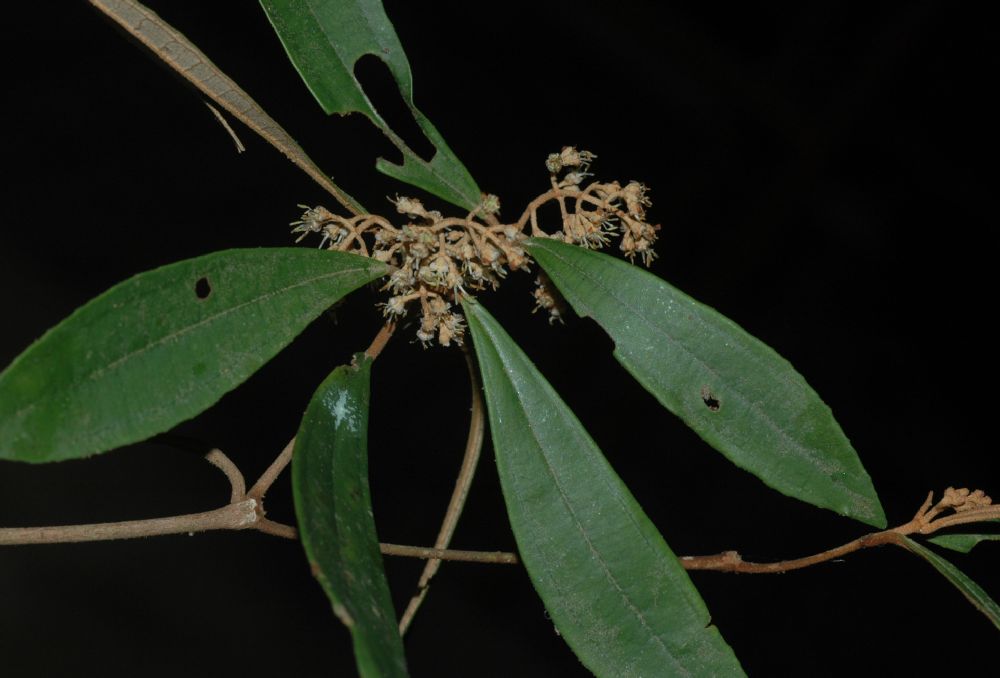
[(968, 507), (731, 561), (267, 478), (976, 516), (245, 511), (238, 485), (237, 516), (473, 448), (380, 340), (242, 512), (437, 555)]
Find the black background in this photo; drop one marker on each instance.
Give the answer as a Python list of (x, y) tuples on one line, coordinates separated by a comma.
[(822, 176)]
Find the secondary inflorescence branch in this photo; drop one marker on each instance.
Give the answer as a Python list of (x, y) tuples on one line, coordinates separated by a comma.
[(438, 260)]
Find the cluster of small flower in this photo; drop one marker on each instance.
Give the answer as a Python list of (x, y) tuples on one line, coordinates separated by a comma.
[(962, 499), (436, 260), (597, 210)]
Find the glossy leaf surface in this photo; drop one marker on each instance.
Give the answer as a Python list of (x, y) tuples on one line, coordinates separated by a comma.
[(737, 393), (614, 590), (973, 592), (163, 346), (334, 510), (324, 39)]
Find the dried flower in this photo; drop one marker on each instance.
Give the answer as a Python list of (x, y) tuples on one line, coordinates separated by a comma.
[(547, 298), (436, 261), (490, 204), (963, 500)]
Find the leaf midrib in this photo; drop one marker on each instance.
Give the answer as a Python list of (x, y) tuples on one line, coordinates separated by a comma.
[(74, 384), (408, 154), (807, 453), (579, 525)]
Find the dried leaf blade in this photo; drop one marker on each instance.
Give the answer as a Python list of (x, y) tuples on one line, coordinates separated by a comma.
[(183, 56)]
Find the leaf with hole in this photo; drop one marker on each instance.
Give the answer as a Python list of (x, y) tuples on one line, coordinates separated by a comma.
[(334, 510), (163, 346), (737, 393), (325, 40), (611, 585), (963, 543), (973, 592)]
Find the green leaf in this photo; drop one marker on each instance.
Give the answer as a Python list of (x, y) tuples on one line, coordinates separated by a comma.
[(970, 589), (334, 509), (963, 543), (613, 588), (163, 346), (737, 393), (324, 39)]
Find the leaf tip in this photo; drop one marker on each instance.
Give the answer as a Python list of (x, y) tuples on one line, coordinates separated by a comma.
[(867, 509)]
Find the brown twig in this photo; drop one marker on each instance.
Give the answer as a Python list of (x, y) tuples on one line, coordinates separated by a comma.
[(926, 521), (245, 511), (268, 526), (473, 448), (268, 477), (380, 340), (437, 555), (977, 516), (238, 516), (240, 513), (731, 561), (238, 485)]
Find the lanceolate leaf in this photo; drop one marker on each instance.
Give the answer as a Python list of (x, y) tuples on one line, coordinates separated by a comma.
[(613, 588), (325, 39), (970, 589), (963, 543), (181, 55), (736, 392), (164, 345), (334, 510)]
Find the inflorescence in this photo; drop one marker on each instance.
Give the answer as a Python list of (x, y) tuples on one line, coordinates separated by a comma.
[(437, 260)]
